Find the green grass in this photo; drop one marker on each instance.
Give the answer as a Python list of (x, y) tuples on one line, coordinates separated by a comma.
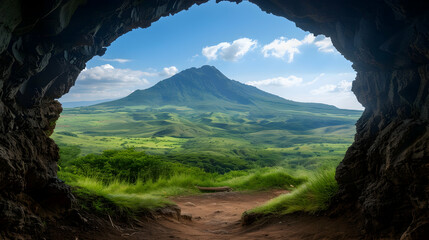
[(271, 178), (252, 136), (310, 197), (124, 198), (127, 203)]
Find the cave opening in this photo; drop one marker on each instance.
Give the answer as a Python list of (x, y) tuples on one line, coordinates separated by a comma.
[(301, 138), (231, 137), (383, 178)]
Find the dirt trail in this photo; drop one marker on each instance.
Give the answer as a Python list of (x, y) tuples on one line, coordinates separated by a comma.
[(218, 216)]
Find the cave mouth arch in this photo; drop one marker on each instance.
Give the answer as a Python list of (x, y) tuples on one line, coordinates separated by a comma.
[(133, 42), (384, 175)]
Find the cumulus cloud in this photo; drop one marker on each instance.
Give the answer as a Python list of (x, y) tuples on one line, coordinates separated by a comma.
[(309, 39), (325, 45), (169, 71), (106, 76), (282, 47), (338, 94), (108, 82), (343, 86), (119, 60), (229, 51), (278, 81), (324, 89)]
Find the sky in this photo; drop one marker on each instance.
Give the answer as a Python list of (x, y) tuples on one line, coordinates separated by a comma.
[(243, 42)]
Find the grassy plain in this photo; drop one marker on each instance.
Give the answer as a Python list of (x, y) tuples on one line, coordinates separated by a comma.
[(243, 150), (171, 131)]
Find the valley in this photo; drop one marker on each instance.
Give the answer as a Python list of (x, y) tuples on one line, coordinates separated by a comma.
[(256, 129)]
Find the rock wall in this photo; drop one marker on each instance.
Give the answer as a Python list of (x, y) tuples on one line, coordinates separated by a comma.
[(386, 170), (45, 44)]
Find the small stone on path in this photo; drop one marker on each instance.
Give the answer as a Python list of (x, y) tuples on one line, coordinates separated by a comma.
[(189, 204)]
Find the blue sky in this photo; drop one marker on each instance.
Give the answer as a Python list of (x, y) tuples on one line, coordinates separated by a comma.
[(243, 42)]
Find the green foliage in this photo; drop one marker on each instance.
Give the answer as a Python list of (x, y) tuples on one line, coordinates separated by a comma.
[(275, 178), (67, 154), (211, 163), (311, 197), (126, 165), (110, 199), (125, 182)]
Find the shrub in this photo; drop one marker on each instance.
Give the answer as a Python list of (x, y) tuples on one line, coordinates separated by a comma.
[(126, 165)]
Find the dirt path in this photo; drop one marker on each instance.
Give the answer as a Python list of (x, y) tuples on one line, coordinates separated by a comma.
[(218, 216)]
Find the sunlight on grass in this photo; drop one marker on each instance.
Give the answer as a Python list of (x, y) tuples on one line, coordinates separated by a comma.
[(150, 195), (311, 197), (116, 193)]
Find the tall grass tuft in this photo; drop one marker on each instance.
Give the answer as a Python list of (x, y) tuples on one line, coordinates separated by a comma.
[(311, 197), (113, 199), (142, 195)]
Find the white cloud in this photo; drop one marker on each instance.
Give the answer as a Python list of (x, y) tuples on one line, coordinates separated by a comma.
[(108, 76), (229, 51), (119, 60), (342, 86), (211, 52), (324, 89), (328, 88), (339, 94), (108, 82), (325, 45), (345, 86), (278, 81), (309, 39), (281, 47), (169, 71)]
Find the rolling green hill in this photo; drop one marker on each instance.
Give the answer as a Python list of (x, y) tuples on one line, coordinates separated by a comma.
[(199, 116)]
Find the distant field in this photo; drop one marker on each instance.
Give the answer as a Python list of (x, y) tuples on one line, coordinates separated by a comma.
[(274, 139)]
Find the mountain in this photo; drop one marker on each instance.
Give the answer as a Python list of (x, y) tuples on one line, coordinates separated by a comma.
[(202, 101), (208, 89)]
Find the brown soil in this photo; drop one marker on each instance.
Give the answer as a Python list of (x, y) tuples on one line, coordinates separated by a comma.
[(218, 216)]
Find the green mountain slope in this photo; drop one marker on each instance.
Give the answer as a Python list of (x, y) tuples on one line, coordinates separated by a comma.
[(206, 88)]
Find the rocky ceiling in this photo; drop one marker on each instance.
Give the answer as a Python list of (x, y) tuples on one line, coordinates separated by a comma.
[(384, 177)]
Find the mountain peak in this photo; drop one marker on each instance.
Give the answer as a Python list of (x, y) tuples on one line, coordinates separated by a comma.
[(206, 70), (201, 69), (206, 88)]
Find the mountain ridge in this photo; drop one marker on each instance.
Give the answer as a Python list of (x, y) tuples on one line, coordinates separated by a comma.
[(207, 88)]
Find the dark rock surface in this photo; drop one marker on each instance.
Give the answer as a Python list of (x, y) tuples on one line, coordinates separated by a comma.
[(385, 174)]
